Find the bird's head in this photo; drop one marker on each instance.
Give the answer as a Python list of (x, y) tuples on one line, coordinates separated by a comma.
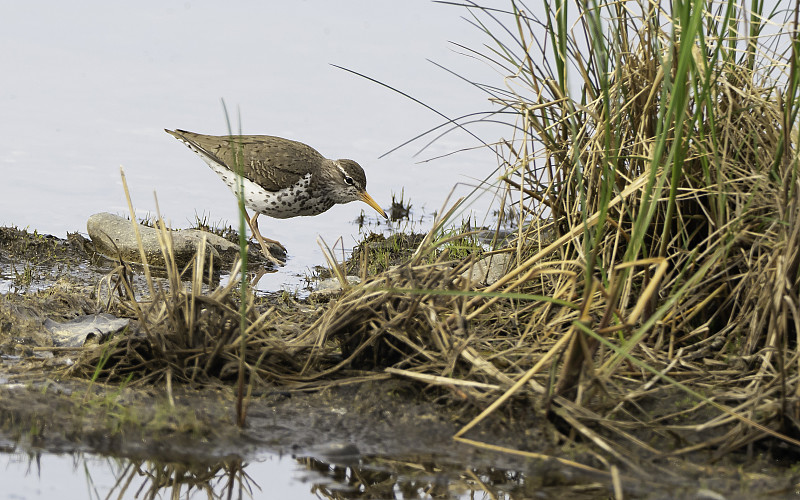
[(349, 183)]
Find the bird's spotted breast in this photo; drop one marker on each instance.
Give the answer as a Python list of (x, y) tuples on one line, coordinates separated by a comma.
[(288, 202)]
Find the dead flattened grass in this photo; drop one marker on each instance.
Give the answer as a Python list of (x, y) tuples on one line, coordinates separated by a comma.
[(653, 292)]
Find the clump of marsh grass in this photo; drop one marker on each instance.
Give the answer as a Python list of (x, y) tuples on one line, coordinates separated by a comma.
[(656, 153)]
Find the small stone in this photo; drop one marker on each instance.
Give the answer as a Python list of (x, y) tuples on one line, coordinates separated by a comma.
[(76, 332), (329, 288), (114, 237), (339, 451), (489, 269)]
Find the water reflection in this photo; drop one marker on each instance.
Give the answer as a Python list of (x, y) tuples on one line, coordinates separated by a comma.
[(219, 480), (72, 476), (68, 476), (391, 478)]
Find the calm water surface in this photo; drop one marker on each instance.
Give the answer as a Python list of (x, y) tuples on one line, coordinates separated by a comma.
[(82, 476), (89, 88)]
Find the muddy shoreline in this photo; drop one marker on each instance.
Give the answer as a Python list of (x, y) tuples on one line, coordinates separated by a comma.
[(42, 410)]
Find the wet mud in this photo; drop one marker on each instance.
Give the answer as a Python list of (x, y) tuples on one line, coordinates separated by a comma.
[(372, 438)]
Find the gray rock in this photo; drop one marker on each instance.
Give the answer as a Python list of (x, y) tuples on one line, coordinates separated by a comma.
[(76, 332), (489, 269), (218, 243), (230, 250), (115, 237), (338, 451), (329, 288)]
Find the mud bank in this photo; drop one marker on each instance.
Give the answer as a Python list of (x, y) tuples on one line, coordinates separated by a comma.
[(386, 430)]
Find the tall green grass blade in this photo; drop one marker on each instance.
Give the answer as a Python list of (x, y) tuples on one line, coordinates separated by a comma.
[(241, 409)]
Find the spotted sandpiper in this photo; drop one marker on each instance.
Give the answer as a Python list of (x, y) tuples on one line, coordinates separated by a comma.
[(282, 178)]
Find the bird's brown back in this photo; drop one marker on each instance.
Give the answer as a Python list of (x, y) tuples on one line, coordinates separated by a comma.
[(272, 162)]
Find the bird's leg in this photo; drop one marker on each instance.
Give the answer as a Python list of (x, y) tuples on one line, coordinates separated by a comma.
[(253, 223), (254, 227)]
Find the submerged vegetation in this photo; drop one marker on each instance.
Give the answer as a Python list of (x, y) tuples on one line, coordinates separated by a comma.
[(651, 307)]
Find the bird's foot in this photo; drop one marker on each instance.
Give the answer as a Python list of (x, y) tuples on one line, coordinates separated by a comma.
[(272, 250), (274, 243)]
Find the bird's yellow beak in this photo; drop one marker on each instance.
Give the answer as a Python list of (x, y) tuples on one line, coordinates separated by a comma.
[(366, 198)]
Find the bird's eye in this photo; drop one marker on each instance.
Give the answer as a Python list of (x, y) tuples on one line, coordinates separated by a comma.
[(348, 180)]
